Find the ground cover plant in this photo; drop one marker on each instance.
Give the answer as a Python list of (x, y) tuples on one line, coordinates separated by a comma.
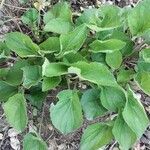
[(93, 48)]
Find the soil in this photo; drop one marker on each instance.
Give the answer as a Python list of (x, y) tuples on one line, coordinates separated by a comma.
[(39, 119)]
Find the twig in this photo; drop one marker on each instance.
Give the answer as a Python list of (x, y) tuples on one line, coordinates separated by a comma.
[(2, 3), (41, 119), (4, 136), (15, 6)]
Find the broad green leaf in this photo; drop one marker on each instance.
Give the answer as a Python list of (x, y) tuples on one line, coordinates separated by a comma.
[(30, 17), (50, 83), (21, 44), (15, 74), (74, 40), (59, 26), (138, 18), (111, 16), (36, 96), (123, 134), (89, 16), (134, 114), (60, 10), (4, 50), (145, 54), (107, 46), (73, 58), (91, 104), (112, 98), (143, 65), (3, 72), (98, 57), (114, 59), (128, 48), (51, 45), (54, 69), (33, 142), (6, 91), (31, 75), (66, 115), (96, 136), (143, 81), (94, 72), (16, 112), (124, 76)]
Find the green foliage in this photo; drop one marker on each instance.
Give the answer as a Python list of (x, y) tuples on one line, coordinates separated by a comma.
[(34, 142), (65, 50)]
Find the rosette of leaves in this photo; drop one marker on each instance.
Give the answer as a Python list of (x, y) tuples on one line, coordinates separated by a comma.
[(70, 52)]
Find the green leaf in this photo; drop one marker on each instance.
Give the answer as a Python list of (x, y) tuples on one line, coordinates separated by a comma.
[(15, 74), (59, 26), (124, 76), (31, 75), (123, 134), (128, 48), (51, 45), (138, 18), (33, 142), (36, 96), (73, 58), (89, 16), (50, 83), (6, 91), (143, 81), (114, 59), (54, 69), (134, 114), (16, 112), (96, 136), (66, 115), (30, 17), (91, 104), (145, 54), (107, 46), (21, 44), (60, 10), (111, 17), (112, 98), (94, 72), (74, 40), (23, 1), (3, 72)]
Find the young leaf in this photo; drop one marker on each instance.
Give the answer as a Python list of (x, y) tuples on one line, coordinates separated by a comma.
[(143, 81), (50, 83), (36, 96), (124, 76), (54, 69), (107, 46), (134, 114), (58, 25), (145, 54), (31, 75), (111, 17), (6, 91), (93, 72), (60, 10), (21, 44), (114, 59), (34, 142), (91, 104), (112, 98), (51, 45), (74, 40), (66, 115), (136, 18), (15, 74), (30, 17), (16, 112), (96, 136), (123, 134)]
